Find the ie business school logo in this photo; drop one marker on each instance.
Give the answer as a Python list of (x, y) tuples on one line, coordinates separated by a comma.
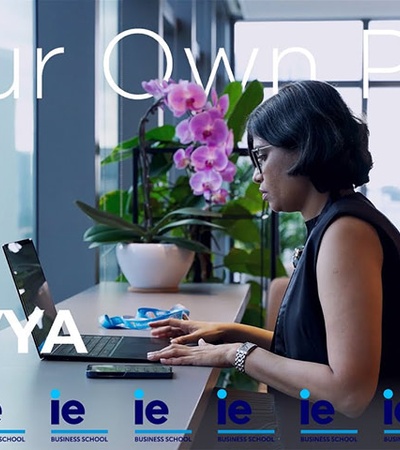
[(8, 435), (391, 417), (317, 422), (150, 419), (235, 419), (67, 421)]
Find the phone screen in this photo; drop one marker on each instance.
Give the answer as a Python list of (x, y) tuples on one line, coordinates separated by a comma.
[(144, 370)]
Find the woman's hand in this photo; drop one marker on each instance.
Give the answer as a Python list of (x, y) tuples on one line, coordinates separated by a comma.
[(204, 354), (187, 331)]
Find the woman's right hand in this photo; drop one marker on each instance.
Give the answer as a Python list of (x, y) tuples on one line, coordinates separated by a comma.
[(187, 331)]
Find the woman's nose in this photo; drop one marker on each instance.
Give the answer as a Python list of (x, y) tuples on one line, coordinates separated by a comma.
[(257, 176)]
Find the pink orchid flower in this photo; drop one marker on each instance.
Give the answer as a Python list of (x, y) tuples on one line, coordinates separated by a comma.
[(218, 198), (229, 172), (184, 96), (205, 181), (182, 157), (183, 132), (208, 130), (204, 158), (221, 104), (157, 88), (229, 143)]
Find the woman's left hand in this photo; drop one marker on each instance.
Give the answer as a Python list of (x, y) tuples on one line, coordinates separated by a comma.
[(204, 354)]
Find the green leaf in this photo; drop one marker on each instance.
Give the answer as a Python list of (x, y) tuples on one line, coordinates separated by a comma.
[(99, 229), (254, 315), (101, 234), (160, 164), (251, 97), (187, 222), (234, 91), (189, 244), (252, 200), (244, 230), (255, 293), (124, 150), (233, 211), (181, 193), (116, 202), (96, 229), (127, 145), (258, 263), (239, 223), (196, 212), (165, 133), (235, 260), (254, 262), (109, 219)]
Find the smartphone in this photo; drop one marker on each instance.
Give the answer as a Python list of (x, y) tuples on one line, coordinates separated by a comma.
[(139, 370)]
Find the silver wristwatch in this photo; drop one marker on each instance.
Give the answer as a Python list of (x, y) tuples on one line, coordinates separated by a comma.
[(241, 354)]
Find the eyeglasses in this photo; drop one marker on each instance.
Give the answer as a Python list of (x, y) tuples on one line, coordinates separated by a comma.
[(256, 153)]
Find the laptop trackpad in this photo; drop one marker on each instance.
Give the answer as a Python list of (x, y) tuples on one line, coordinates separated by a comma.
[(139, 346)]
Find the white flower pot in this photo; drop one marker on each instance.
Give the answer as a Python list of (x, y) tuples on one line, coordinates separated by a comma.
[(154, 267)]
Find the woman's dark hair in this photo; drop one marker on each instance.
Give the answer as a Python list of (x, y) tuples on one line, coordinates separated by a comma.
[(311, 117)]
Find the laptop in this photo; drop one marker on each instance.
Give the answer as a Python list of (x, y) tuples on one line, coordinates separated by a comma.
[(34, 292)]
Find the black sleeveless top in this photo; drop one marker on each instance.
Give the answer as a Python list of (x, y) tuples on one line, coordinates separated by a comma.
[(300, 331)]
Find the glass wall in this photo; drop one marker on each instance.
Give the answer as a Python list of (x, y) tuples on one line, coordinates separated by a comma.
[(17, 103), (383, 118), (343, 53)]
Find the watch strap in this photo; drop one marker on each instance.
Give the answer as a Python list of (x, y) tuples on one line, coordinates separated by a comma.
[(241, 354)]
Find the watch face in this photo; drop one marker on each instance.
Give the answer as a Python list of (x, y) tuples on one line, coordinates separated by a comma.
[(246, 346)]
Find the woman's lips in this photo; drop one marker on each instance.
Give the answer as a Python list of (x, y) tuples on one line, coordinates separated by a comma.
[(264, 195)]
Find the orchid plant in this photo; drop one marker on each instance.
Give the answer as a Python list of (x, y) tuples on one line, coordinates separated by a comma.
[(202, 144), (205, 135)]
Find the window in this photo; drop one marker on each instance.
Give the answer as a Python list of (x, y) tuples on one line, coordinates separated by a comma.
[(383, 118), (336, 48), (16, 131), (107, 127)]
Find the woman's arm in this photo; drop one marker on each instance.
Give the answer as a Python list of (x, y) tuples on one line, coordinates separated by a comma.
[(190, 331), (350, 289), (237, 332)]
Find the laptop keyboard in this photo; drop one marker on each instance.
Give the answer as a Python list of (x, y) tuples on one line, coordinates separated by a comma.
[(96, 346)]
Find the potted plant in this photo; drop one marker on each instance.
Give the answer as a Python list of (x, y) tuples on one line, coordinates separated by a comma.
[(150, 257), (203, 143)]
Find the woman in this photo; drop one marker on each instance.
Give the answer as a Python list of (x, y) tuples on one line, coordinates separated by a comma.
[(336, 334)]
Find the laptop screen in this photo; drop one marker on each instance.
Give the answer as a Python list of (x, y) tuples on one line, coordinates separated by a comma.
[(31, 285)]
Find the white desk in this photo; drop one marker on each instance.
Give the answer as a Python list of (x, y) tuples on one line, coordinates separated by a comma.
[(26, 382)]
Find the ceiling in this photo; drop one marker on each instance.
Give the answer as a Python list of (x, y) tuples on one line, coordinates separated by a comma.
[(314, 9)]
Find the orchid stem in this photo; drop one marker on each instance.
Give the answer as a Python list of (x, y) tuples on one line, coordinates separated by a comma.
[(146, 182)]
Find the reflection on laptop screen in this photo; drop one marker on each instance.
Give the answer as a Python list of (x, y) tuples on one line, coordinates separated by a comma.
[(31, 285)]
